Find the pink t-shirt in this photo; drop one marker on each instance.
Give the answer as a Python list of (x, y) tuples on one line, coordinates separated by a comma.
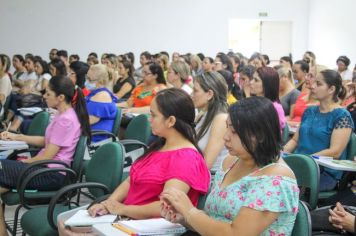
[(148, 175), (281, 116), (64, 132)]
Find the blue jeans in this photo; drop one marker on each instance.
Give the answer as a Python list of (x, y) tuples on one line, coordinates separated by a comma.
[(327, 182)]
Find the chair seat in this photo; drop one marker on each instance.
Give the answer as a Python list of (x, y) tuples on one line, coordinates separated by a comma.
[(34, 222), (11, 198)]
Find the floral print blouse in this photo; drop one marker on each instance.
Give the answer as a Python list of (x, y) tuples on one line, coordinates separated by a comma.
[(262, 193)]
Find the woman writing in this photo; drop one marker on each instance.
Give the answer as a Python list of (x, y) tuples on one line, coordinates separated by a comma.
[(60, 140)]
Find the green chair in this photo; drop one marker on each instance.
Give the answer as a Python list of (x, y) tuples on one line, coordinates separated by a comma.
[(285, 134), (12, 198), (302, 225), (137, 135), (5, 108), (104, 174), (307, 173), (347, 176)]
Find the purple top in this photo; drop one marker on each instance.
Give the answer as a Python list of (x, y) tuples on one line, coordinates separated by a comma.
[(281, 116), (64, 132)]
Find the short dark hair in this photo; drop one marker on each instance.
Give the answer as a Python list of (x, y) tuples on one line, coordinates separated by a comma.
[(75, 56), (93, 54), (20, 58), (201, 56), (62, 53), (303, 65), (225, 61), (248, 70), (270, 82), (147, 55), (256, 122)]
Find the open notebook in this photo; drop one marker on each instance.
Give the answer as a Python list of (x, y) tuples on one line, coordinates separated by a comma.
[(158, 226), (82, 218), (12, 145)]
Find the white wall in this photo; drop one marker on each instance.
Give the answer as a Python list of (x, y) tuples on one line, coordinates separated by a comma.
[(332, 30), (119, 26)]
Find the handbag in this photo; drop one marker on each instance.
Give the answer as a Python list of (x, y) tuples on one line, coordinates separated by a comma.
[(30, 100)]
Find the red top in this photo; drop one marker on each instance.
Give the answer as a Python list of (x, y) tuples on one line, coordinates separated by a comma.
[(149, 175), (300, 106), (85, 91)]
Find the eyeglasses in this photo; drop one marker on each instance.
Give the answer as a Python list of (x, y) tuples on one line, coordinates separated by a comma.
[(144, 73)]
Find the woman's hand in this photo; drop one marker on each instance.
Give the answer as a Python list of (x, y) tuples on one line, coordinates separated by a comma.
[(114, 207), (8, 136), (177, 201), (170, 214), (342, 219), (97, 210)]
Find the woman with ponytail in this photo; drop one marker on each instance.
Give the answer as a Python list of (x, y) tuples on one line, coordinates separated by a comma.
[(325, 130), (60, 140), (174, 160)]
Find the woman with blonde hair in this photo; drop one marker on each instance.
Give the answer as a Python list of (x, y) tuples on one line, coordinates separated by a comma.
[(178, 76), (196, 65), (288, 94), (163, 61), (101, 103)]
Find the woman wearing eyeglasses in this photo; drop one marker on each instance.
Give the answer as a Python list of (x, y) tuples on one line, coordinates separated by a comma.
[(141, 97)]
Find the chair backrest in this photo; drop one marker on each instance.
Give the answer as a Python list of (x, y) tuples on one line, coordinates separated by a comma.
[(302, 225), (39, 124), (351, 147), (307, 172), (106, 167), (139, 129), (79, 155), (285, 134), (5, 107), (116, 126)]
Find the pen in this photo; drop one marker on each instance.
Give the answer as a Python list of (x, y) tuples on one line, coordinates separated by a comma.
[(315, 156), (125, 230), (8, 127)]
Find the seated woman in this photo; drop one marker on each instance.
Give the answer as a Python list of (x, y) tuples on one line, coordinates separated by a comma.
[(143, 94), (254, 192), (77, 72), (126, 83), (178, 76), (265, 83), (246, 75), (325, 130), (42, 71), (173, 161), (209, 96), (288, 94), (60, 140), (101, 103), (5, 82), (304, 100)]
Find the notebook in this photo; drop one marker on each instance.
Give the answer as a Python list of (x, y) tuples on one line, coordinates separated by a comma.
[(82, 218), (158, 226), (12, 145)]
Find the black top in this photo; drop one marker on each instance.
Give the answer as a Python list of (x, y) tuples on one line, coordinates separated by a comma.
[(121, 83)]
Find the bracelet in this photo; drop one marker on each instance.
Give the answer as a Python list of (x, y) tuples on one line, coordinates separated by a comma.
[(191, 212)]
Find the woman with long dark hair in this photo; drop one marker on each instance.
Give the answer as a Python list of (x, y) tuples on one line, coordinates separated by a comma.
[(60, 140), (173, 160)]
